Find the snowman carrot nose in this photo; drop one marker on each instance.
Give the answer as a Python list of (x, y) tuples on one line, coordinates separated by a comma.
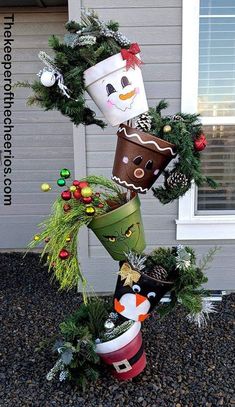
[(139, 299), (127, 95)]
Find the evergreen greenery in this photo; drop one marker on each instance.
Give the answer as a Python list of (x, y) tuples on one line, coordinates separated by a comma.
[(187, 278), (185, 129), (62, 225), (87, 43)]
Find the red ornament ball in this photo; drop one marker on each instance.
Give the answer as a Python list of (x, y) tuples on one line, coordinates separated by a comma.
[(76, 183), (66, 195), (87, 200), (63, 254), (77, 194), (83, 184), (200, 143), (66, 208)]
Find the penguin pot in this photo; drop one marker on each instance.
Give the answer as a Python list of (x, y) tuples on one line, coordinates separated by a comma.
[(140, 158), (137, 294), (117, 89), (125, 354), (121, 230)]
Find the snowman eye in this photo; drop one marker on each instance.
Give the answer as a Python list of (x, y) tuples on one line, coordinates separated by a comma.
[(137, 160), (152, 294), (149, 165), (136, 288), (125, 81), (110, 89)]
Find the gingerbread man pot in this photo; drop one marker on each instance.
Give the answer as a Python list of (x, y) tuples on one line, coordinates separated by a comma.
[(116, 86), (140, 158), (121, 229), (125, 354)]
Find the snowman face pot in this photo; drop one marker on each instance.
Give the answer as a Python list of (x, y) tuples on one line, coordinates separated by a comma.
[(137, 301), (119, 93), (121, 230), (140, 158), (125, 354)]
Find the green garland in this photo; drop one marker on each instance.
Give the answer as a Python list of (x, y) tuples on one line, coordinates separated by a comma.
[(184, 130), (187, 277), (86, 44), (62, 226)]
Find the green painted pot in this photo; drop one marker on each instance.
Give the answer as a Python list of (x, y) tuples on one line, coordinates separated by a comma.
[(121, 230)]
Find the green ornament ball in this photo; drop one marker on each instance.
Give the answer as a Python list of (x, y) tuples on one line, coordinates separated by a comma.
[(65, 173), (61, 182)]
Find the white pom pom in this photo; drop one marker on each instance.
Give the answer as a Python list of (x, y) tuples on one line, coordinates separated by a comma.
[(47, 79)]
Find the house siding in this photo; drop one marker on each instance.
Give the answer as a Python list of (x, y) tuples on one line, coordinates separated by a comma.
[(42, 142)]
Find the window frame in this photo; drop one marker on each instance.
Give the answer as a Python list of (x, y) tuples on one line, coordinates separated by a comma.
[(191, 226)]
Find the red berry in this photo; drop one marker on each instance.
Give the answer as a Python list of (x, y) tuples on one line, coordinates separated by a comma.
[(77, 194), (66, 207), (200, 143), (66, 195), (100, 205)]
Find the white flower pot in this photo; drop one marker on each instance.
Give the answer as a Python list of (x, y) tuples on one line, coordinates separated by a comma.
[(119, 93)]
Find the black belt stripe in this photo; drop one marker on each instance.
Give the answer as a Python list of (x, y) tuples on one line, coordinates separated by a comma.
[(136, 357)]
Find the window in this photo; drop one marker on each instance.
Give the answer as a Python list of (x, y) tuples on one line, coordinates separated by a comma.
[(208, 86)]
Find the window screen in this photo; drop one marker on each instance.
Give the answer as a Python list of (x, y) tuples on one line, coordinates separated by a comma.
[(216, 98)]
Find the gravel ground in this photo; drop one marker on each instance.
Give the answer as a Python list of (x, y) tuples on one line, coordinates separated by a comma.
[(187, 367)]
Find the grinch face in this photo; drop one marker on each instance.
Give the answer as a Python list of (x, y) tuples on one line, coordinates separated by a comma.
[(121, 90), (123, 239)]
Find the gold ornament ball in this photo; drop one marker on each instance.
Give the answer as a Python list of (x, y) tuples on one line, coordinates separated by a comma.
[(86, 192), (68, 239), (36, 238), (45, 187), (90, 211), (72, 188), (167, 128)]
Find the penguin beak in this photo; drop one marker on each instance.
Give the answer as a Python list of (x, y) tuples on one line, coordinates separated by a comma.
[(139, 299)]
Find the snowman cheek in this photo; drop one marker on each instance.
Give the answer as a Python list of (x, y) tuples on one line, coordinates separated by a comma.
[(109, 104)]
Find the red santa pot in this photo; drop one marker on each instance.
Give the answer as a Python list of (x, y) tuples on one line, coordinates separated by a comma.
[(140, 158), (116, 88), (125, 354)]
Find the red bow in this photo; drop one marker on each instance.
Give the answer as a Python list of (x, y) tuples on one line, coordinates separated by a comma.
[(130, 56)]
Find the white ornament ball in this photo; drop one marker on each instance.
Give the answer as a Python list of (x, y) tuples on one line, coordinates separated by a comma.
[(47, 79)]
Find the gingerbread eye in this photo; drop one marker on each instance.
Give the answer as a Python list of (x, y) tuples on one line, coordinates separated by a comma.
[(110, 89), (136, 288), (125, 81), (152, 294), (137, 160), (149, 165)]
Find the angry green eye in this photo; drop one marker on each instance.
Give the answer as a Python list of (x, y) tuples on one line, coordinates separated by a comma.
[(111, 239), (128, 233)]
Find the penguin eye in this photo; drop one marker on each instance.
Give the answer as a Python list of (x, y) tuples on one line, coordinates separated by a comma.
[(137, 160), (136, 288), (149, 165), (152, 294), (110, 89)]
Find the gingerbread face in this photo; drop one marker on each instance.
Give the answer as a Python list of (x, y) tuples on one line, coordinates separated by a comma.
[(140, 167)]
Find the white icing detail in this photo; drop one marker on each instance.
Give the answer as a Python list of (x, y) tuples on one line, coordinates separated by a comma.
[(129, 185), (146, 142), (125, 160)]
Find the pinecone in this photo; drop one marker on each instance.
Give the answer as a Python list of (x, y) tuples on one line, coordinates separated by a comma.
[(144, 122), (159, 273), (177, 117), (177, 179)]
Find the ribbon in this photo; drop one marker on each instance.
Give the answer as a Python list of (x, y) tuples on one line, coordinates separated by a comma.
[(129, 275), (64, 89), (130, 56)]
